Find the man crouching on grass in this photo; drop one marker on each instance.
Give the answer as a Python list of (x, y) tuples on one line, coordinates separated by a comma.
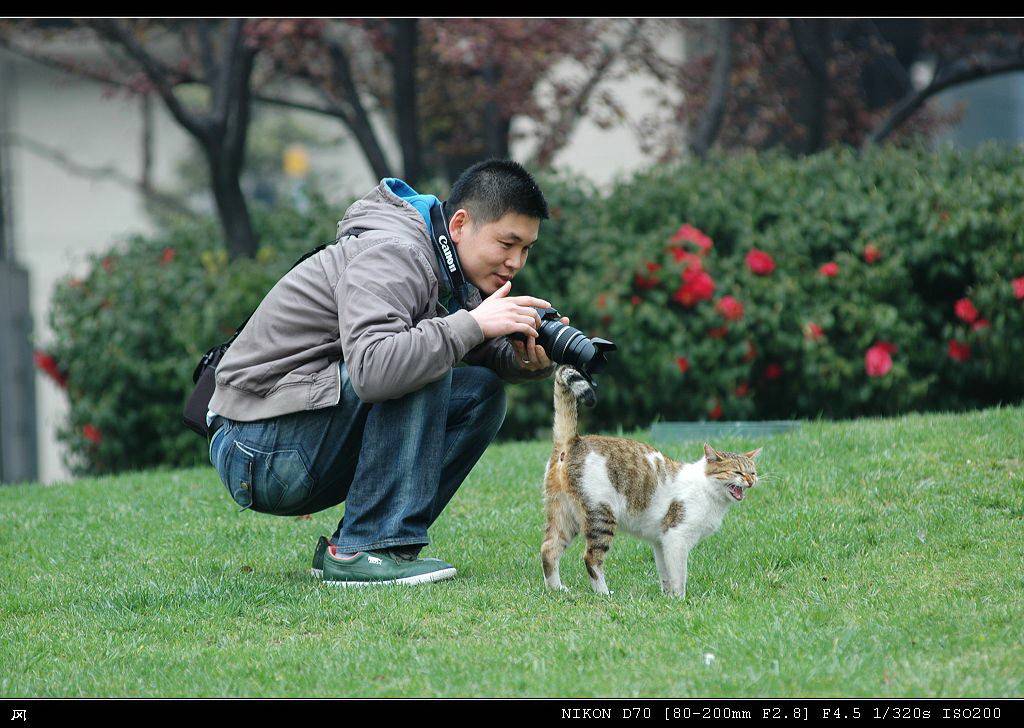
[(343, 385)]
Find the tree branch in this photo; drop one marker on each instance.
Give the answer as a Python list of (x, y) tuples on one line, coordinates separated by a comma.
[(711, 120), (558, 133), (103, 173), (114, 31), (955, 74)]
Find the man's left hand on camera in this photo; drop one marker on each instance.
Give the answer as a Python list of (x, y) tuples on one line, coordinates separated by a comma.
[(531, 355)]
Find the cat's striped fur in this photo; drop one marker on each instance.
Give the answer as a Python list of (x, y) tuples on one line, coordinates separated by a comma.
[(598, 485)]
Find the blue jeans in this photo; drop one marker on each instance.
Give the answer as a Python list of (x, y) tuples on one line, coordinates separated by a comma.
[(395, 464)]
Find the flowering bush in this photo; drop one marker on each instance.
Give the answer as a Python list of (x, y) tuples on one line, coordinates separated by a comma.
[(753, 286), (837, 285)]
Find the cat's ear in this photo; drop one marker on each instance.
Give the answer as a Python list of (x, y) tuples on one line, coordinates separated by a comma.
[(711, 454), (753, 453)]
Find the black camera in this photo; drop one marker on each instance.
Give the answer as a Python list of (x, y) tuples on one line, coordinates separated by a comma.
[(566, 345)]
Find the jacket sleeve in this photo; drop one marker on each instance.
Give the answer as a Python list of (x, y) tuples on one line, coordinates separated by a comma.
[(499, 355), (383, 290)]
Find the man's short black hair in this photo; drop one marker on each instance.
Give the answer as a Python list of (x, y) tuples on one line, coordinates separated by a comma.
[(495, 187)]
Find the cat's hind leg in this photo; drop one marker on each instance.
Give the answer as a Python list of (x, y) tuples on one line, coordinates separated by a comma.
[(561, 529), (600, 528)]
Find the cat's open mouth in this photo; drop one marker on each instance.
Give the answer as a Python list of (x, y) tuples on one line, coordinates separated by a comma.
[(736, 491)]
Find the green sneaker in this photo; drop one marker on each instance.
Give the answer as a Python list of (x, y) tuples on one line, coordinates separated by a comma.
[(318, 558), (380, 568)]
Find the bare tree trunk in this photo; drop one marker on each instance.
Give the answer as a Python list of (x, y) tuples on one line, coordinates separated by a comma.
[(813, 44), (404, 89), (711, 120), (232, 210), (496, 125)]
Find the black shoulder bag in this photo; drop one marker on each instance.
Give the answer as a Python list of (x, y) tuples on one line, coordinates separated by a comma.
[(198, 403)]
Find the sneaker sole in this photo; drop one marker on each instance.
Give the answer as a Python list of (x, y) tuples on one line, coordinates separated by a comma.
[(439, 575)]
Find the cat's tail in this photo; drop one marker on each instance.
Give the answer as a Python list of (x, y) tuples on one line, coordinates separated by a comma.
[(570, 388)]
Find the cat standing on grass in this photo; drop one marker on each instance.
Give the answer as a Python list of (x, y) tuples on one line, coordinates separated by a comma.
[(599, 484)]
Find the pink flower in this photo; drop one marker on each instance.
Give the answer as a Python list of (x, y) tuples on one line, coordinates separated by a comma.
[(730, 308), (92, 434), (635, 300), (716, 412), (683, 363), (653, 267), (965, 311), (1018, 288), (872, 254), (958, 351), (980, 324), (829, 270), (760, 263), (687, 233), (878, 359)]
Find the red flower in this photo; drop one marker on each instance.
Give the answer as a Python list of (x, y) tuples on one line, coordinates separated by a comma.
[(965, 311), (878, 359), (167, 256), (959, 351), (645, 283), (813, 332), (716, 412), (829, 270), (46, 363), (687, 233), (697, 286), (693, 262), (602, 301), (980, 324), (635, 300), (742, 389), (653, 267), (772, 371), (760, 263), (1018, 288), (108, 264), (872, 254), (730, 308), (92, 434), (718, 332), (683, 363)]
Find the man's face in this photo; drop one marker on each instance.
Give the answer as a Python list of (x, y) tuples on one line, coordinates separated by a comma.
[(492, 253)]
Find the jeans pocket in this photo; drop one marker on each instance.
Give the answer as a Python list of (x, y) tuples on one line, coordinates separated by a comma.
[(238, 474), (279, 480)]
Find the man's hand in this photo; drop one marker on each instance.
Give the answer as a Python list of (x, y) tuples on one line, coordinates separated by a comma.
[(532, 356), (501, 315)]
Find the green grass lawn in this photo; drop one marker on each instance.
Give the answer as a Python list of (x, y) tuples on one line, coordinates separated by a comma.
[(878, 558)]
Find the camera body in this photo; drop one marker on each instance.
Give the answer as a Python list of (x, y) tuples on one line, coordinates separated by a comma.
[(567, 345)]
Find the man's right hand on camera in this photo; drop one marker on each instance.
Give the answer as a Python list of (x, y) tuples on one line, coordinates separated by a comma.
[(501, 315)]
